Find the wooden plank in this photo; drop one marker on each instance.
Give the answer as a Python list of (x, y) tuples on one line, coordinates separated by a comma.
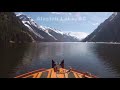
[(66, 75), (75, 74), (79, 75), (83, 76), (39, 75), (31, 76), (49, 74), (53, 74), (44, 74), (29, 73), (35, 75), (61, 75)]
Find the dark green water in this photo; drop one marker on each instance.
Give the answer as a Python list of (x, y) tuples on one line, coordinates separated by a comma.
[(102, 60)]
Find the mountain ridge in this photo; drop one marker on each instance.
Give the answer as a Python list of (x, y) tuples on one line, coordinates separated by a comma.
[(108, 31), (46, 33)]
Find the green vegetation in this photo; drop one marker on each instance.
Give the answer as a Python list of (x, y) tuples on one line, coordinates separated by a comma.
[(12, 30)]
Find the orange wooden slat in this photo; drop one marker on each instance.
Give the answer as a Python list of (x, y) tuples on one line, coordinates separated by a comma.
[(53, 74), (49, 74), (38, 76), (79, 75), (33, 75), (66, 75), (29, 73), (75, 74)]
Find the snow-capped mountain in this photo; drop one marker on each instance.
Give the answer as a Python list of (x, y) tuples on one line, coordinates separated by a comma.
[(77, 35), (43, 33)]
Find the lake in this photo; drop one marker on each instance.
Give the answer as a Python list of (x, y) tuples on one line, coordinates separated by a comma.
[(101, 59)]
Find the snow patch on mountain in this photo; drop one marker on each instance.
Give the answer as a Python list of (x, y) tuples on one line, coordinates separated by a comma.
[(34, 31), (49, 34), (58, 31), (78, 35), (28, 22), (55, 30)]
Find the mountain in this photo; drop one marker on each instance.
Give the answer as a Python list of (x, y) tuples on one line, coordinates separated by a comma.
[(77, 35), (60, 36), (12, 29), (21, 29), (108, 31), (43, 33)]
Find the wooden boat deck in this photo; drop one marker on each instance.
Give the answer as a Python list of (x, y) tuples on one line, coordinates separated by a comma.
[(49, 73)]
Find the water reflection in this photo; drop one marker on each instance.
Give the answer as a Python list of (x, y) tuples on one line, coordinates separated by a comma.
[(88, 57), (99, 59), (10, 56), (109, 55)]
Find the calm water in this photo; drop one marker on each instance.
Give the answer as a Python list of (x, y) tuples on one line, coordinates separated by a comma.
[(102, 60)]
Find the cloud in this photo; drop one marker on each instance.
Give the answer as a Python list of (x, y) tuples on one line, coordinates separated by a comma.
[(77, 14), (61, 13), (56, 13), (95, 24)]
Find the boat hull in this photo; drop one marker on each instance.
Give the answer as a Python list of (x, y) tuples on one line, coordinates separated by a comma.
[(51, 73)]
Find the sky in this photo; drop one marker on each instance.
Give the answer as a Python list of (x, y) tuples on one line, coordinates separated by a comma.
[(82, 22)]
